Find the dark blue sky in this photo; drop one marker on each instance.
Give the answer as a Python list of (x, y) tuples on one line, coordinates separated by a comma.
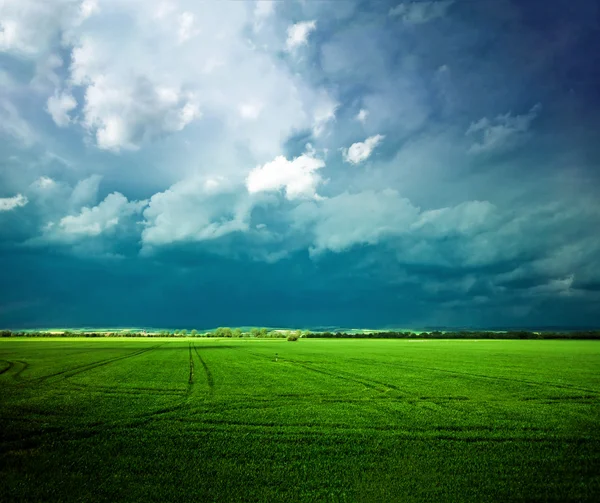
[(331, 163)]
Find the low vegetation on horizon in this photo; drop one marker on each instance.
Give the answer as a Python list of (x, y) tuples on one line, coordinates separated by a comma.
[(294, 335)]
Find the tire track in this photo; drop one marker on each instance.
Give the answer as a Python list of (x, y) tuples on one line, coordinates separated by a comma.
[(23, 367), (345, 376), (191, 378), (7, 369), (209, 376), (15, 369), (493, 378), (65, 374)]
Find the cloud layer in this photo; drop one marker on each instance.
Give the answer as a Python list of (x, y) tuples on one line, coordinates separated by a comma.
[(320, 163)]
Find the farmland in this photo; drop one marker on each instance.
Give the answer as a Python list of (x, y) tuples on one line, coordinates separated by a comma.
[(324, 420)]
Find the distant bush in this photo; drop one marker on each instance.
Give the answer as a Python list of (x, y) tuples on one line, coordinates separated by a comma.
[(294, 336)]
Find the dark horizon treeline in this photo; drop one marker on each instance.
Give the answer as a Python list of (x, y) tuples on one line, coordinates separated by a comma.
[(226, 332), (463, 334)]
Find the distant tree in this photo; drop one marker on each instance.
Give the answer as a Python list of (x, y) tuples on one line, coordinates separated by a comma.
[(194, 332), (183, 333), (237, 332), (294, 336), (223, 332), (263, 332), (255, 332)]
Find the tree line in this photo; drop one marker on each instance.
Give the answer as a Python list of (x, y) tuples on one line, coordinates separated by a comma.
[(294, 335), (227, 332), (462, 334)]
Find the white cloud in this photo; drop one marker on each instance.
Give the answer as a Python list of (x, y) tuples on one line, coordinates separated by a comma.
[(59, 106), (297, 34), (196, 209), (124, 76), (187, 28), (44, 183), (420, 12), (139, 83), (88, 8), (500, 133), (10, 203), (250, 110), (124, 111), (362, 115), (345, 220), (360, 151), (262, 11), (96, 220), (27, 27), (124, 116), (298, 177)]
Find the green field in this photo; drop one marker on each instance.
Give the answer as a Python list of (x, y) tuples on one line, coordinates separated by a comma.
[(331, 420)]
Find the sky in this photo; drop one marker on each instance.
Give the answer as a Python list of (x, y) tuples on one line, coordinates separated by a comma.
[(175, 163)]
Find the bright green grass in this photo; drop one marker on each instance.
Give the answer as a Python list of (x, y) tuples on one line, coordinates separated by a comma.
[(331, 420)]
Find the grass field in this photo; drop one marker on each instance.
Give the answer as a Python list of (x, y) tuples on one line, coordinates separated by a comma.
[(331, 420)]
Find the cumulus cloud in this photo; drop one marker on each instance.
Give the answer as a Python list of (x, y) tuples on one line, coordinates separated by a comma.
[(420, 12), (262, 11), (43, 183), (250, 110), (297, 34), (360, 151), (340, 222), (187, 28), (96, 220), (27, 27), (10, 203), (298, 177), (59, 106), (171, 66), (196, 209), (88, 8), (124, 115), (502, 132), (362, 115)]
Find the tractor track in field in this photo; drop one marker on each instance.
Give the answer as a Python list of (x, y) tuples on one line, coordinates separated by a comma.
[(209, 377), (7, 369), (106, 390), (65, 374), (345, 376), (494, 378), (15, 369), (191, 374), (272, 429)]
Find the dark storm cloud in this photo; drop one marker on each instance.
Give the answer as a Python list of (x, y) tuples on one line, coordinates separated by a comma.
[(448, 170)]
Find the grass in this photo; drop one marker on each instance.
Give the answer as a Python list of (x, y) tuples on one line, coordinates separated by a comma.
[(330, 420)]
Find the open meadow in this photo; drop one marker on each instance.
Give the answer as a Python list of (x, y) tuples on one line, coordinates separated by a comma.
[(324, 420)]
